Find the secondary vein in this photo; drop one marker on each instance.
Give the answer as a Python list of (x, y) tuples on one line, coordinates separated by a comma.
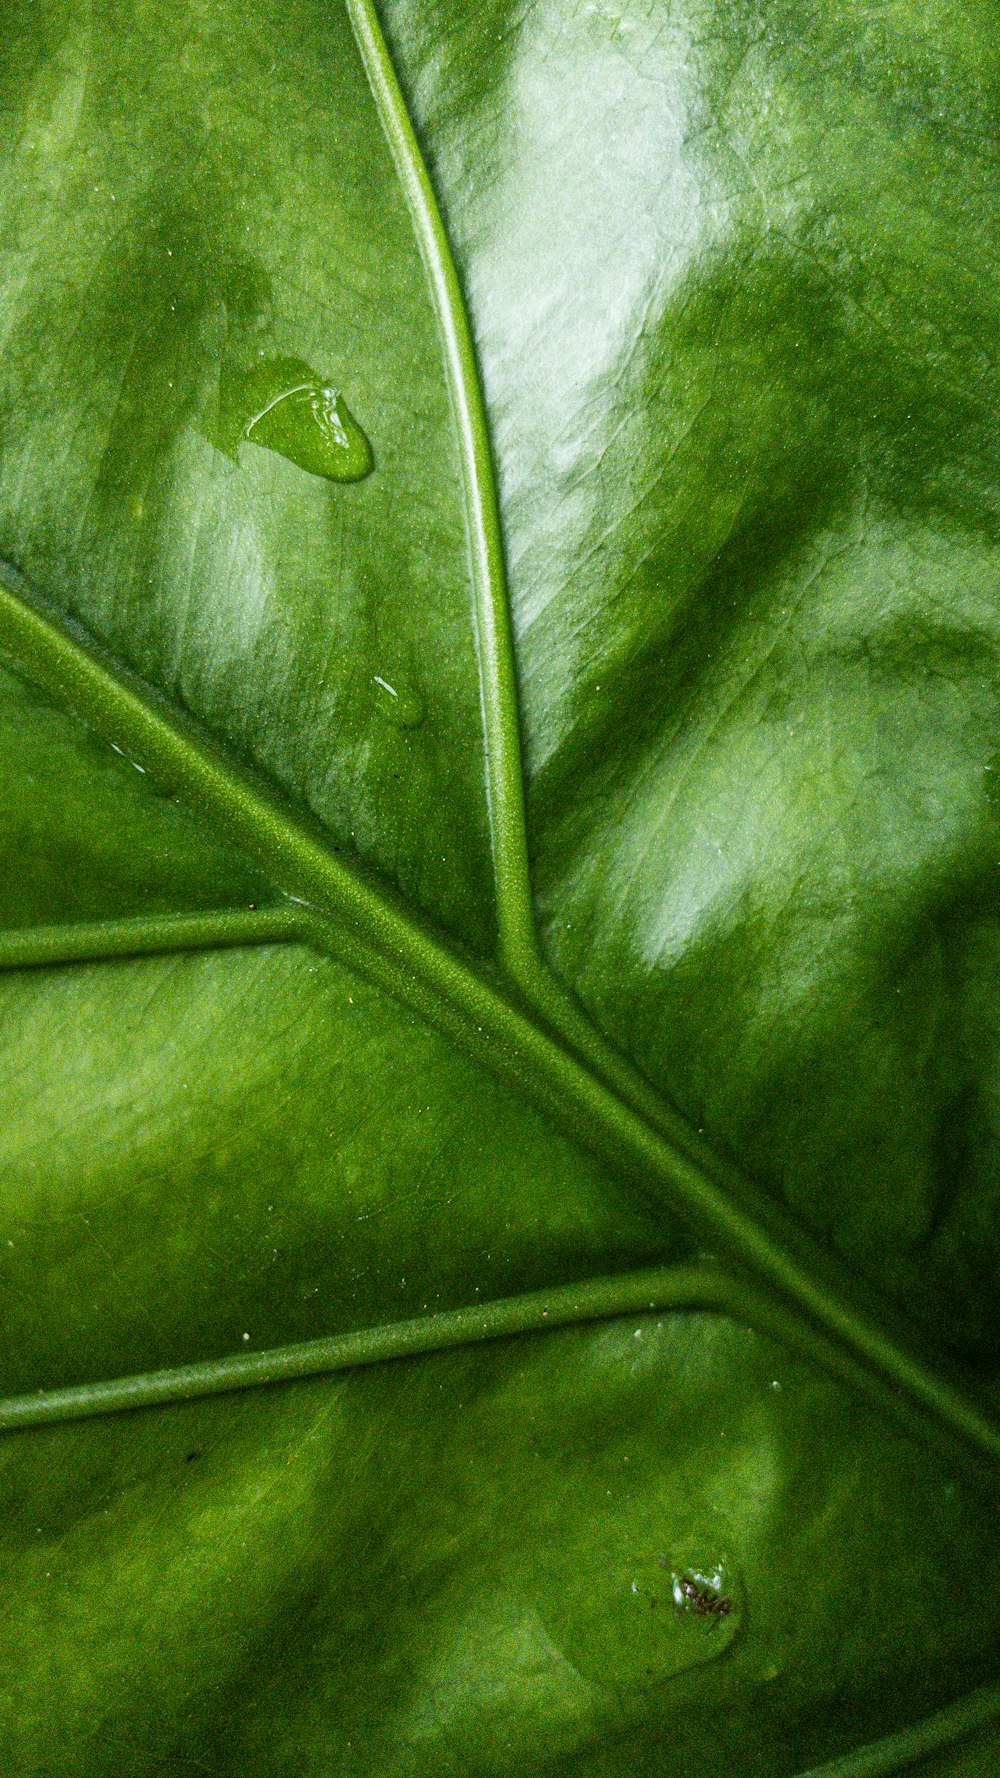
[(147, 935), (498, 680)]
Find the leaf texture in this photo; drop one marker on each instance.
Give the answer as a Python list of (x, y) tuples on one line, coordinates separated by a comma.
[(497, 1202)]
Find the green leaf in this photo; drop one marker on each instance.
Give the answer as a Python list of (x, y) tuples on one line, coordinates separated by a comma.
[(498, 1161)]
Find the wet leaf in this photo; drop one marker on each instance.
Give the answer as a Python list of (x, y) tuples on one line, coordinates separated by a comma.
[(499, 971)]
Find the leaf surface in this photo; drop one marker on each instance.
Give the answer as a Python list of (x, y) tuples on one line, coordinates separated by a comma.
[(498, 1161)]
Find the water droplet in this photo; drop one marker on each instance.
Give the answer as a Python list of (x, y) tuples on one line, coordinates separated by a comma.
[(282, 404), (645, 1614), (397, 701)]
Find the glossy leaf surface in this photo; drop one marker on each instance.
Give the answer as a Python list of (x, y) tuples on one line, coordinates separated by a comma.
[(625, 1296)]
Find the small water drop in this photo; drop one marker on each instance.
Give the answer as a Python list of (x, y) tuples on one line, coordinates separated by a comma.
[(281, 404), (644, 1616), (397, 701)]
